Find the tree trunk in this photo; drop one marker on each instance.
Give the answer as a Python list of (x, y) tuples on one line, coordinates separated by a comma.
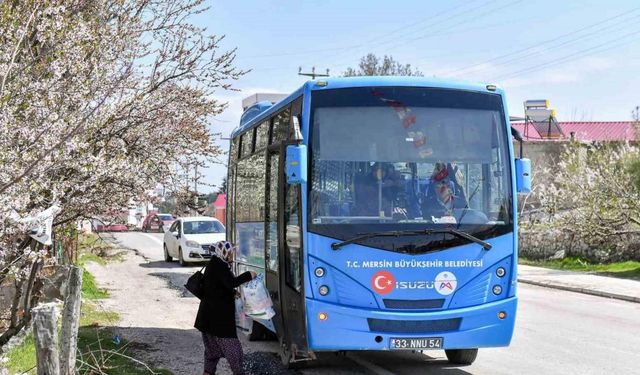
[(71, 322), (17, 297), (45, 331), (35, 268)]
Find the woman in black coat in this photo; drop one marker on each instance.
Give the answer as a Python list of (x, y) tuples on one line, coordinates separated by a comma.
[(216, 314)]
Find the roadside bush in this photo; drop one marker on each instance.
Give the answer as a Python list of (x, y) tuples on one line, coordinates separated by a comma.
[(589, 206)]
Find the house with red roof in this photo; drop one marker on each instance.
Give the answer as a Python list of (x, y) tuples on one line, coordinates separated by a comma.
[(220, 207), (587, 131)]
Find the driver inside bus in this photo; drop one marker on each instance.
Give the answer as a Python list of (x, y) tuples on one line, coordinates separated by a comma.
[(444, 193), (378, 191)]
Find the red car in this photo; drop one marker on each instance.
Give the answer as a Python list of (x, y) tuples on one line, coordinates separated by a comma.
[(157, 222), (111, 228)]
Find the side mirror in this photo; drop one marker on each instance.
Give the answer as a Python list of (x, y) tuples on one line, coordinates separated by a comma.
[(296, 168), (523, 175), (297, 133), (176, 234)]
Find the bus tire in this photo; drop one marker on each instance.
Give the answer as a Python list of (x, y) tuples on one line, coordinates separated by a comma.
[(462, 356)]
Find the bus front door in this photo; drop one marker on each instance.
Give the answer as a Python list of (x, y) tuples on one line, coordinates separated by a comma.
[(284, 259), (272, 245)]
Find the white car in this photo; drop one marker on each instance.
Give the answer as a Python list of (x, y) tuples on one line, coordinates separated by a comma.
[(188, 239)]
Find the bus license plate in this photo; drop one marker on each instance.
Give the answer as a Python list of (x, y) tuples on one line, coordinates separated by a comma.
[(415, 343)]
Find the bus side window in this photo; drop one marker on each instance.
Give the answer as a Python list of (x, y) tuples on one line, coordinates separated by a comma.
[(292, 236), (246, 143), (280, 129), (249, 210), (262, 136)]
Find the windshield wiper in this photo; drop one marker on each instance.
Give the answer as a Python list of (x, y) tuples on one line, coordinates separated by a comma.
[(398, 233)]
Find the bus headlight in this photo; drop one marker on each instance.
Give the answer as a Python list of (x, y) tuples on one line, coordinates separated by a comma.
[(501, 272), (324, 290), (319, 272), (497, 289)]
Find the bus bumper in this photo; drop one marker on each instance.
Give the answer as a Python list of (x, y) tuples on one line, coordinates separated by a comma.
[(347, 328)]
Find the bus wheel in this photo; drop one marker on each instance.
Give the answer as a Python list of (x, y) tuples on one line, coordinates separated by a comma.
[(462, 356)]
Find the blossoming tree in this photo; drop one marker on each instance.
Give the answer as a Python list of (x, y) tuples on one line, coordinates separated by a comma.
[(99, 101)]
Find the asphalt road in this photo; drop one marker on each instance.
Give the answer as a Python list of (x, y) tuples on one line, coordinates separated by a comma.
[(557, 332)]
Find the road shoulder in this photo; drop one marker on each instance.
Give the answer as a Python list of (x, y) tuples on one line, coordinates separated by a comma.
[(581, 282)]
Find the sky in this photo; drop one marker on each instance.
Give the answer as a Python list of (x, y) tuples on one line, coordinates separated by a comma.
[(581, 55)]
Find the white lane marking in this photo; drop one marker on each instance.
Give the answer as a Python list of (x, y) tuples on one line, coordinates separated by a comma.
[(157, 240), (375, 369)]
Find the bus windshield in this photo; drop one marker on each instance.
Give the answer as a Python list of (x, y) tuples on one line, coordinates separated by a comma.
[(395, 158)]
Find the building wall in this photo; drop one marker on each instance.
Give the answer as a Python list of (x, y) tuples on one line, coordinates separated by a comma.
[(543, 154)]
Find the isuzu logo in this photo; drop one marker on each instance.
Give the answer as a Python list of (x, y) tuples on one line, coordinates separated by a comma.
[(383, 282)]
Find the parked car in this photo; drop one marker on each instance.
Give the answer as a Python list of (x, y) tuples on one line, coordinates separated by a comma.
[(188, 239), (111, 228), (157, 222)]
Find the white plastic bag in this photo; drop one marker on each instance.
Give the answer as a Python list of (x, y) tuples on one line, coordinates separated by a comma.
[(242, 321), (255, 299)]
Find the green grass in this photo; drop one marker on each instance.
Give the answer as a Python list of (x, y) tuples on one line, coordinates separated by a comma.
[(90, 257), (627, 270), (90, 289), (92, 316), (95, 343), (92, 248), (88, 241), (22, 358)]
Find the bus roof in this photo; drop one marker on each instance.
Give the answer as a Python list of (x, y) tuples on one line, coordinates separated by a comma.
[(366, 81)]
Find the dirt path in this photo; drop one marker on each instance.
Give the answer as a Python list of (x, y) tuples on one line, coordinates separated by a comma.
[(157, 314)]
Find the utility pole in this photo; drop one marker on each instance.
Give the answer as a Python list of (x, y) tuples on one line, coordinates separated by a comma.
[(313, 73)]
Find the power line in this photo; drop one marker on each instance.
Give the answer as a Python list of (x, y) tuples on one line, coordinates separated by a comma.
[(459, 23), (442, 31), (571, 57), (430, 26), (380, 40), (372, 40), (570, 41), (458, 71), (482, 27)]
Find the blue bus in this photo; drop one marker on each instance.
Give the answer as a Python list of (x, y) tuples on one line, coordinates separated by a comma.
[(382, 213)]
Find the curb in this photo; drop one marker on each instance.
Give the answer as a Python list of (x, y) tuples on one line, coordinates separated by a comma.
[(581, 290)]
